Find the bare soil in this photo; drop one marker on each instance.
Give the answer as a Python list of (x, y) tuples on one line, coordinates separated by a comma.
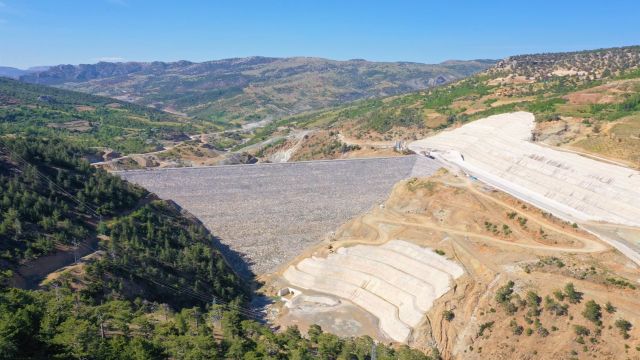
[(541, 254)]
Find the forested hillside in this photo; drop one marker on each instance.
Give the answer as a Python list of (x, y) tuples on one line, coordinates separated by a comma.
[(56, 324), (87, 120), (52, 199), (148, 289), (245, 90)]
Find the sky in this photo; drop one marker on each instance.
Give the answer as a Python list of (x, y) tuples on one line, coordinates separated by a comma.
[(49, 32)]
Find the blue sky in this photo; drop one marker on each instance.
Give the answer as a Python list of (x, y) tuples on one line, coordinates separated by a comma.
[(39, 32)]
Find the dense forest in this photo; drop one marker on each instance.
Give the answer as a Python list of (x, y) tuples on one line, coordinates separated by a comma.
[(156, 287), (56, 324), (37, 213)]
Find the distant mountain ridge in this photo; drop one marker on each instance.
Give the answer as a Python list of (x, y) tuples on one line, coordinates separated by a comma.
[(15, 73), (240, 90)]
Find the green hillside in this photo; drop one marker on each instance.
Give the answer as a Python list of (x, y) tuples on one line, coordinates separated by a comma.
[(146, 293), (53, 199), (87, 120), (55, 324), (244, 90)]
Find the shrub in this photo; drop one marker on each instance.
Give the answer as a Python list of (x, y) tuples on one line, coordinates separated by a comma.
[(533, 300), (543, 332), (624, 326), (485, 326), (581, 330), (504, 293), (515, 328), (592, 312), (610, 308), (554, 307), (572, 294), (448, 315)]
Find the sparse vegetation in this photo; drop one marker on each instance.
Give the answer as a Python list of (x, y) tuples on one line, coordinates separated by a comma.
[(624, 326), (623, 283), (448, 315), (592, 312), (485, 326)]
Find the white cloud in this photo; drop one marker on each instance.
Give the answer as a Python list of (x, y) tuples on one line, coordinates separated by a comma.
[(109, 59)]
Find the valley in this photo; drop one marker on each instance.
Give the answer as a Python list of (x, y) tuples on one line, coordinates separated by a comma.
[(239, 91), (299, 207)]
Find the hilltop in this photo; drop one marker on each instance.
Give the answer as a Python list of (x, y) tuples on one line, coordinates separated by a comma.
[(242, 90), (585, 101)]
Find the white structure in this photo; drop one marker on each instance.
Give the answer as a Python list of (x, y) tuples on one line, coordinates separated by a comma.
[(498, 151), (396, 282)]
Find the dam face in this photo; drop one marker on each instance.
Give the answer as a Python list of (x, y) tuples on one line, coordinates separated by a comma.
[(266, 214)]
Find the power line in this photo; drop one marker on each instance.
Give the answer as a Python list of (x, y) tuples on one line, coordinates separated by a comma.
[(189, 292), (47, 179), (186, 291)]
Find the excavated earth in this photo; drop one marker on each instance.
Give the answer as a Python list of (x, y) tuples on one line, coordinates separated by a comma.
[(498, 150), (432, 248)]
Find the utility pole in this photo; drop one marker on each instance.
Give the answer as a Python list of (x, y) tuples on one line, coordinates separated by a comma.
[(56, 288), (215, 312), (374, 352), (196, 314), (101, 326), (75, 251)]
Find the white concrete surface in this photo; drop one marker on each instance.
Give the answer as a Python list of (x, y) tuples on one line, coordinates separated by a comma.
[(498, 151), (397, 282)]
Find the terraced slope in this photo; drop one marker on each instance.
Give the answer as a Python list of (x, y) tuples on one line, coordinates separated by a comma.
[(397, 282), (497, 150)]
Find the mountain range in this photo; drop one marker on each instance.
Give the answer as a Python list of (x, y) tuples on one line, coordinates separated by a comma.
[(240, 90)]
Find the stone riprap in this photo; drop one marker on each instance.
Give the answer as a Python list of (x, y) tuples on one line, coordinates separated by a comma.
[(268, 213)]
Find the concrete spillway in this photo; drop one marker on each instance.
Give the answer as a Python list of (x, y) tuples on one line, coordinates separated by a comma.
[(498, 150)]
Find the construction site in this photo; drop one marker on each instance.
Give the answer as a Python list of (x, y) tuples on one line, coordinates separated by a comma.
[(498, 150), (413, 249), (266, 214)]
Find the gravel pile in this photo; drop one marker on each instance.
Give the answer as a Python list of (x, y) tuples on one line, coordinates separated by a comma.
[(266, 214)]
